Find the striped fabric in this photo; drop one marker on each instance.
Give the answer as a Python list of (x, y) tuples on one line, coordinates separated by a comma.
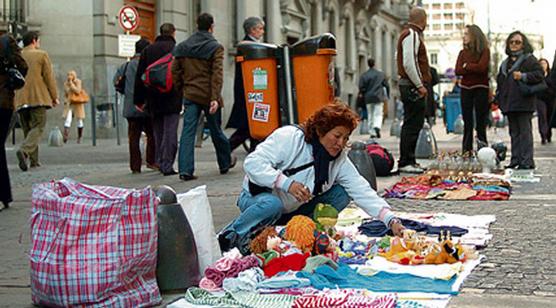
[(199, 296), (93, 245), (344, 300)]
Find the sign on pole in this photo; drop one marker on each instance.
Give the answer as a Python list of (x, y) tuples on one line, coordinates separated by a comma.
[(126, 45), (128, 18)]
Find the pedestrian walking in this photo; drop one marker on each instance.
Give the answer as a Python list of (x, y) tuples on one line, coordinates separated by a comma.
[(164, 108), (10, 56), (254, 31), (74, 105), (375, 90), (472, 66), (414, 72), (39, 94), (519, 67), (197, 71), (545, 104), (138, 121)]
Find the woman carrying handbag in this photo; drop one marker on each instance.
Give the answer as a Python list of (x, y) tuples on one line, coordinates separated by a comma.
[(74, 106)]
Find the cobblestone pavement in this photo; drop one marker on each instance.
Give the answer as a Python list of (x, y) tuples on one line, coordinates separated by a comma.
[(519, 269)]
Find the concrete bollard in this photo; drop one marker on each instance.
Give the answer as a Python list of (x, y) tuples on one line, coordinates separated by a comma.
[(426, 143), (177, 265), (363, 162), (55, 138)]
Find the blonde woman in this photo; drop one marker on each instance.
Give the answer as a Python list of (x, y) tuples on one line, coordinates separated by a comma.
[(72, 86)]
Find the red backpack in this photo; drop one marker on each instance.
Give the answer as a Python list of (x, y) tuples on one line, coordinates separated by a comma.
[(158, 75), (382, 159)]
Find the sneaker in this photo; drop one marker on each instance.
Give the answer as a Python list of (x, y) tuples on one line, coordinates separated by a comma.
[(226, 240), (153, 166), (525, 167), (411, 169), (377, 132), (22, 158), (511, 166), (187, 177), (232, 164), (169, 172)]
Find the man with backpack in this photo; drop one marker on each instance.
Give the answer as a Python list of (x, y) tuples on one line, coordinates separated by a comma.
[(197, 71), (164, 108), (137, 121)]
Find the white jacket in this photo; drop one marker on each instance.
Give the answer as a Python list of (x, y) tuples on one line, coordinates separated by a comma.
[(286, 148)]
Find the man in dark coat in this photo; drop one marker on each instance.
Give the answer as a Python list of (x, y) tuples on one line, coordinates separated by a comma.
[(375, 90), (254, 31), (137, 121), (164, 108)]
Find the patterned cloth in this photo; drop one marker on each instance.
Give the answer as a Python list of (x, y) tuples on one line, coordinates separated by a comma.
[(93, 245), (345, 299), (240, 299)]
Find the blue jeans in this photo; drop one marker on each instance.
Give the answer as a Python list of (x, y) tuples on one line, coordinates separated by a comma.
[(265, 209), (186, 154)]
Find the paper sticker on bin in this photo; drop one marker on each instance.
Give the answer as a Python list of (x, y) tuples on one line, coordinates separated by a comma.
[(313, 73), (260, 81)]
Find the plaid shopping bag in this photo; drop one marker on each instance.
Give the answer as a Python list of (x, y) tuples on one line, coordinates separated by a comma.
[(93, 245)]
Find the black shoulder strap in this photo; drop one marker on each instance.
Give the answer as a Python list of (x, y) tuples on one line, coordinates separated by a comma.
[(292, 171)]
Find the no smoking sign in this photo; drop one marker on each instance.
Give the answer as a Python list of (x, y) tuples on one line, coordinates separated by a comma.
[(129, 18)]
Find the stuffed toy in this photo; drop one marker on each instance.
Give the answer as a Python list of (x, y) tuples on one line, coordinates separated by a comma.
[(445, 251), (301, 231), (258, 245), (326, 216)]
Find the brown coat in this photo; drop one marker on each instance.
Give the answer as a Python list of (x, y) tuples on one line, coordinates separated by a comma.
[(40, 85), (200, 79), (7, 95), (78, 110)]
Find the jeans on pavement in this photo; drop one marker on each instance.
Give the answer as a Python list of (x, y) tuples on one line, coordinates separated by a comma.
[(186, 154)]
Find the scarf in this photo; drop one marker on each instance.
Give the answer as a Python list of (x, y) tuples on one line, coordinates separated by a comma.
[(322, 162)]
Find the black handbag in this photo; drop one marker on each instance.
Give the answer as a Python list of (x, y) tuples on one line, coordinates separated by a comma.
[(119, 85), (16, 80), (532, 89)]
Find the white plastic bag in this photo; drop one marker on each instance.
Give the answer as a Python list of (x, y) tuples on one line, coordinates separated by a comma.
[(195, 205)]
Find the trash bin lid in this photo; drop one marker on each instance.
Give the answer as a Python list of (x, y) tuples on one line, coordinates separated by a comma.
[(311, 45), (253, 50)]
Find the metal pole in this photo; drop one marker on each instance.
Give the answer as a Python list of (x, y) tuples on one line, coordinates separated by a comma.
[(287, 75), (117, 118), (93, 121)]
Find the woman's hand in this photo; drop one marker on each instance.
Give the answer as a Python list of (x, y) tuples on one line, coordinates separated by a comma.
[(300, 192), (517, 75), (397, 228)]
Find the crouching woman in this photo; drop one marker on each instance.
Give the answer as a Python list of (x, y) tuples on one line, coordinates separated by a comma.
[(296, 168)]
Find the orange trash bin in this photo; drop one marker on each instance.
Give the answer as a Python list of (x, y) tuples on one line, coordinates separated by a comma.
[(260, 83), (313, 73)]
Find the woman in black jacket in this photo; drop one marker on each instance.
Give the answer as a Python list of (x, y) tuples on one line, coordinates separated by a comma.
[(545, 105), (520, 67)]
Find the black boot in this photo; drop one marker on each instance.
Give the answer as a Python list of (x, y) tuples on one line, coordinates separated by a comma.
[(79, 134)]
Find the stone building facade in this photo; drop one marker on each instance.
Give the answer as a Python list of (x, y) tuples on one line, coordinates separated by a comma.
[(83, 34)]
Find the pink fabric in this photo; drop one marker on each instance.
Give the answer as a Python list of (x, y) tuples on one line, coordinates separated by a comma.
[(229, 266), (344, 300), (208, 284)]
